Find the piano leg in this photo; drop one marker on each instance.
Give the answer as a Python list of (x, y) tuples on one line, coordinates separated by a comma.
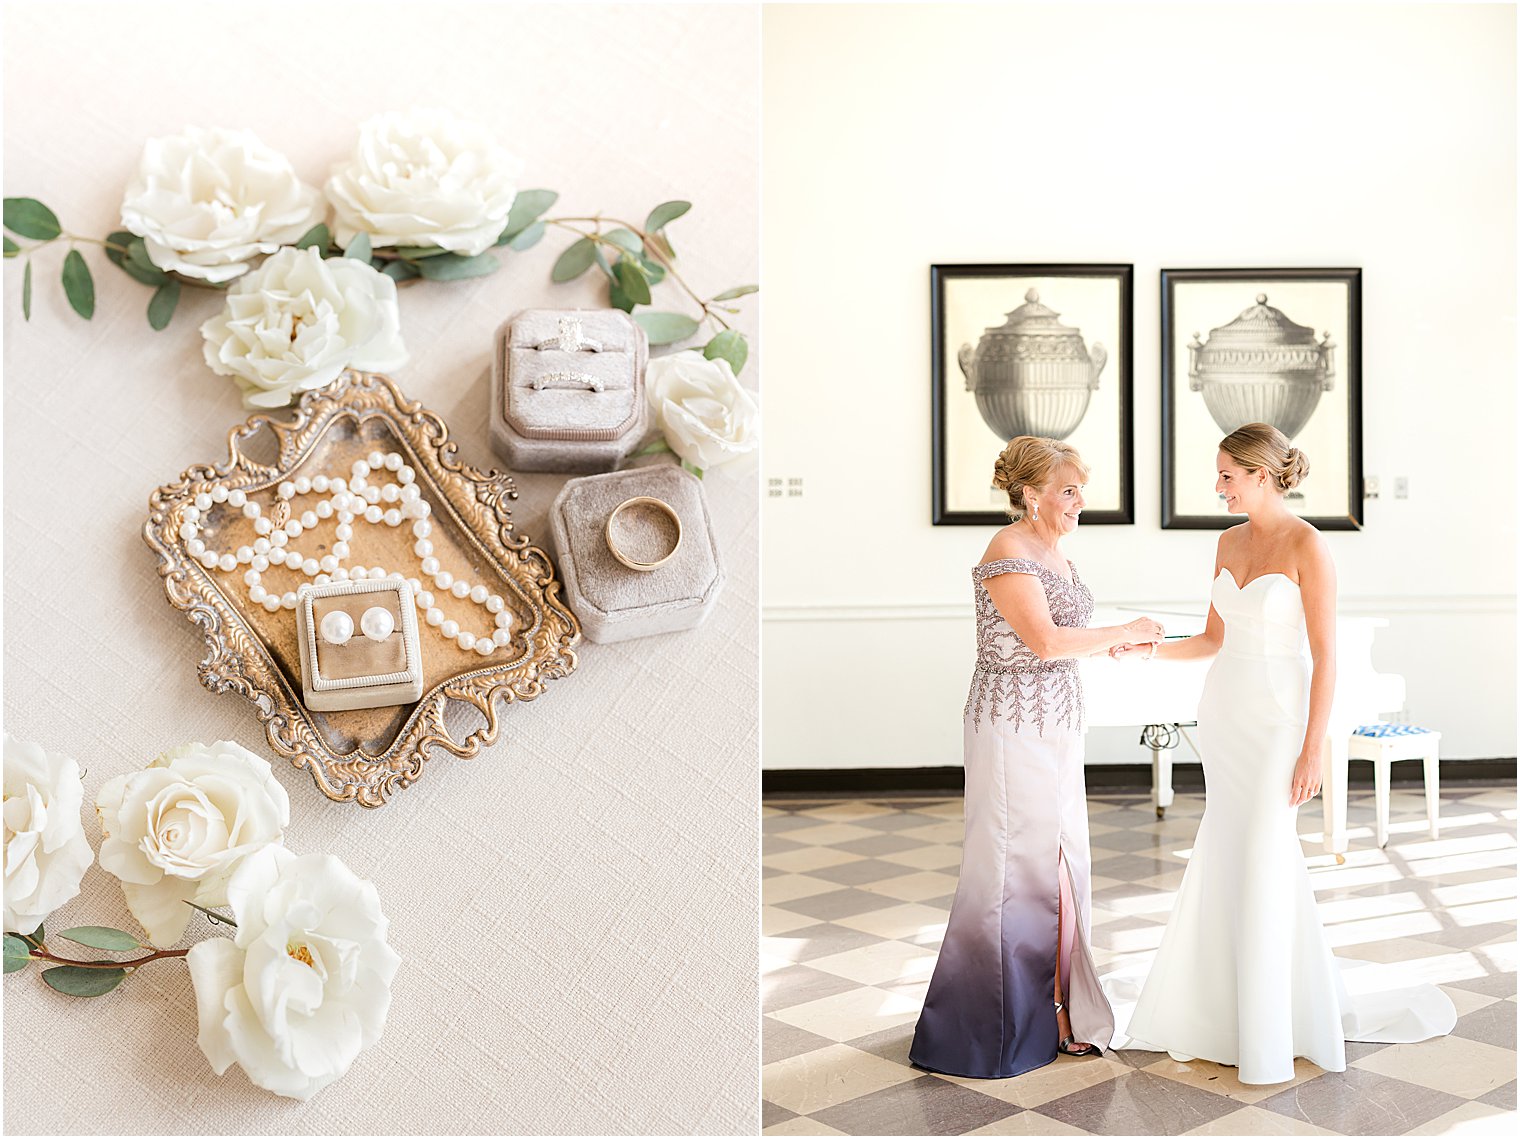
[(1333, 790), (1161, 772), (1433, 791)]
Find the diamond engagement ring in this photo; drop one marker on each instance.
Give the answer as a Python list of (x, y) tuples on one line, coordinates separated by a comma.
[(571, 338)]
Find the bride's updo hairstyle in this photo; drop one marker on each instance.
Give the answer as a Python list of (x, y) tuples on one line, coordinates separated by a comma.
[(1032, 461), (1262, 447)]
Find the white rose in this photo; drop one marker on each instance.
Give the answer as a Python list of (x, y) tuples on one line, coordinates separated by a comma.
[(297, 321), (425, 177), (306, 983), (707, 416), (46, 853), (176, 831), (208, 201)]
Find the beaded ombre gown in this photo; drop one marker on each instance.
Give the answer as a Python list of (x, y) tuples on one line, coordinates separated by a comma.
[(990, 1009)]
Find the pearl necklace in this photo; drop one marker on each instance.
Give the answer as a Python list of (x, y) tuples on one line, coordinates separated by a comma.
[(347, 500)]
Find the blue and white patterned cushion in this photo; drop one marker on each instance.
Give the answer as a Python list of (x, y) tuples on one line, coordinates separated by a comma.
[(1379, 730)]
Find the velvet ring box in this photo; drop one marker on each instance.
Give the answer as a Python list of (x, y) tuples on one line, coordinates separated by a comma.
[(567, 389), (362, 672), (613, 602)]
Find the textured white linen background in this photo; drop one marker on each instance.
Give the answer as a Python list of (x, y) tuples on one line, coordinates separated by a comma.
[(577, 908)]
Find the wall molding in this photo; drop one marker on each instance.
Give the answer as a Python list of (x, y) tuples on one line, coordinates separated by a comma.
[(1353, 606)]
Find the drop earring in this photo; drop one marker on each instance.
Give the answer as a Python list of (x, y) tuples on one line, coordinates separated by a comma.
[(1035, 516)]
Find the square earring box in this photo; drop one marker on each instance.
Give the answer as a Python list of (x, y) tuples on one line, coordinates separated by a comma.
[(362, 673), (553, 409), (613, 602)]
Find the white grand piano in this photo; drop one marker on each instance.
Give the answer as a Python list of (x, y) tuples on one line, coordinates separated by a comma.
[(1162, 699)]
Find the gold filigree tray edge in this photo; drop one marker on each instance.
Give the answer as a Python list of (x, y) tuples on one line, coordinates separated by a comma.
[(239, 661)]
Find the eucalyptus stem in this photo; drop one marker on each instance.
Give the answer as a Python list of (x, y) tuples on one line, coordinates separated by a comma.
[(41, 952), (649, 247)]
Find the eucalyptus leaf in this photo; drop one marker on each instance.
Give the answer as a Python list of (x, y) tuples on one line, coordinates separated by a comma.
[(630, 279), (102, 937), (73, 981), (625, 239), (26, 292), (601, 263), (526, 208), (78, 285), (359, 247), (653, 270), (456, 266), (141, 266), (617, 298), (37, 934), (11, 248), (660, 242), (658, 447), (418, 252), (666, 327), (401, 270), (663, 214), (692, 467), (17, 953), (728, 345), (529, 237), (740, 291), (575, 260), (161, 307), (27, 217), (318, 235)]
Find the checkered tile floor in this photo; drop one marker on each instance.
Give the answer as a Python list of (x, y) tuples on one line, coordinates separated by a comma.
[(856, 897)]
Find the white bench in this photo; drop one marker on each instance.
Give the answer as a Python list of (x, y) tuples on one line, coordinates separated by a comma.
[(1383, 743)]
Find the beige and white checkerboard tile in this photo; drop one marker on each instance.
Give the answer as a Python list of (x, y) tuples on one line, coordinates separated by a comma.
[(858, 892)]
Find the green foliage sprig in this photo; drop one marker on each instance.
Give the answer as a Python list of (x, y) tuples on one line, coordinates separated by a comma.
[(634, 259), (77, 978)]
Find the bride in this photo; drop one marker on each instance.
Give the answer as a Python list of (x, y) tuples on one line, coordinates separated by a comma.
[(1244, 974)]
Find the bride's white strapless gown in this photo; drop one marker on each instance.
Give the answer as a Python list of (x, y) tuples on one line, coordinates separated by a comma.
[(1244, 974)]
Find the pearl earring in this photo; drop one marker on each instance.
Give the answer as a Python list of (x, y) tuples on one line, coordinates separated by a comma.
[(337, 627), (377, 623)]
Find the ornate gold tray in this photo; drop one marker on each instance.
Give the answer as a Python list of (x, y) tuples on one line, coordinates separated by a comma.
[(363, 755)]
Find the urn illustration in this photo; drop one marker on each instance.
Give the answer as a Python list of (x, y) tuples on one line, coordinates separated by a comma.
[(1261, 368), (1032, 375)]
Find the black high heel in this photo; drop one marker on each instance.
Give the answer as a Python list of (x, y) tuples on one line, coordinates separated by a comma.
[(1070, 1047)]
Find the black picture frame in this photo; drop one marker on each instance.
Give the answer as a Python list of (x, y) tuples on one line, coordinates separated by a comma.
[(1188, 453), (951, 422)]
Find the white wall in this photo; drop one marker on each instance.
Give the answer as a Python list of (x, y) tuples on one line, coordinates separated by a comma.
[(1381, 136)]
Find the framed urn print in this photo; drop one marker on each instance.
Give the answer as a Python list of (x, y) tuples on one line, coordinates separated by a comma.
[(1031, 350), (1278, 346)]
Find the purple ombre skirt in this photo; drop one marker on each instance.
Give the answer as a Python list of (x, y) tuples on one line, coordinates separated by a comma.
[(990, 1009)]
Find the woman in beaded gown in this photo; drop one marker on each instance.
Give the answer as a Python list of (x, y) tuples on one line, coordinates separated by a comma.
[(1015, 950), (1244, 974)]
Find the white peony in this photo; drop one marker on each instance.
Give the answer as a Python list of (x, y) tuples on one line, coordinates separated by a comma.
[(298, 320), (707, 416), (306, 983), (424, 177), (208, 201), (46, 853), (176, 831)]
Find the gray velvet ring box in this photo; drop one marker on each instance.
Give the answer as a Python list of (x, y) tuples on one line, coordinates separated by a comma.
[(613, 602), (567, 389), (362, 673)]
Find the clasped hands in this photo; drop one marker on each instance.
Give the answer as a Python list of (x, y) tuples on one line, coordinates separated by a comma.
[(1145, 634)]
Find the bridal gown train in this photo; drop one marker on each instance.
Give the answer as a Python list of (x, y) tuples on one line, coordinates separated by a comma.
[(990, 1008), (1244, 974)]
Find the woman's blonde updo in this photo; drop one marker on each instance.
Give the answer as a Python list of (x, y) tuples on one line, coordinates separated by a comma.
[(1262, 447), (1032, 461)]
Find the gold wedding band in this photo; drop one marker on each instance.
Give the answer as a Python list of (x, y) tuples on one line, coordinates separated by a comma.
[(643, 500)]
